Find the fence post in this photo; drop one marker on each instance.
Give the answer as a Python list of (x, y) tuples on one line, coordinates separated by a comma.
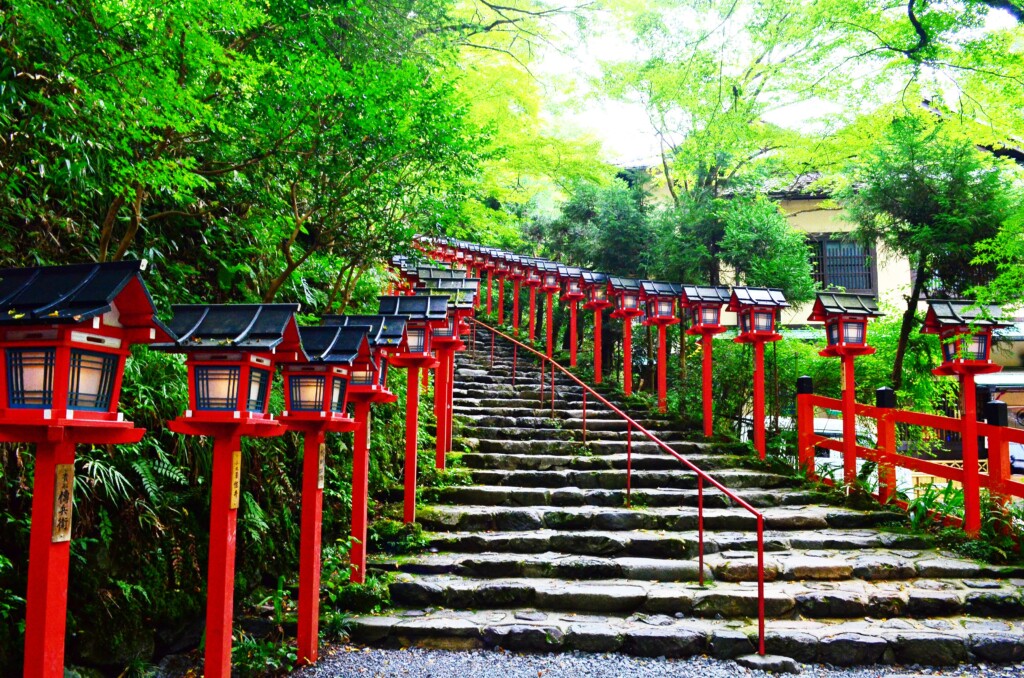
[(885, 400), (805, 425), (998, 450)]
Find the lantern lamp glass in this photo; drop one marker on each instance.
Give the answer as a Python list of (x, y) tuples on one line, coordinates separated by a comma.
[(550, 279), (340, 385), (30, 377), (382, 374), (448, 330), (629, 301), (91, 380), (949, 350), (216, 387), (599, 294), (709, 315), (665, 307), (417, 338), (978, 348), (763, 321), (745, 321), (259, 385), (306, 392), (853, 331), (362, 376), (832, 330)]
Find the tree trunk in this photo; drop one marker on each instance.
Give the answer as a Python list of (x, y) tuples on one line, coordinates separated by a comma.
[(907, 325)]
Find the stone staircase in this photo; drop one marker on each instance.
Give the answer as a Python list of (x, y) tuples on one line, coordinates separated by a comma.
[(542, 554)]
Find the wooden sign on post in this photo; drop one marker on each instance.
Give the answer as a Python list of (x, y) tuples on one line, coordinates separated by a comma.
[(64, 489), (236, 478)]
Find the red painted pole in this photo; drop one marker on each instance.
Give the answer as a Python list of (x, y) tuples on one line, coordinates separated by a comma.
[(849, 421), (759, 398), (478, 300), (597, 345), (969, 443), (501, 300), (220, 588), (550, 311), (47, 597), (412, 408), (490, 276), (309, 548), (627, 355), (449, 402), (804, 431), (360, 491), (572, 332), (441, 406), (662, 359), (706, 343), (700, 530), (533, 313), (515, 306)]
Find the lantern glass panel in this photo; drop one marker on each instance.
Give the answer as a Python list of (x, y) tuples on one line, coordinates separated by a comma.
[(763, 321), (217, 387), (417, 338), (340, 385), (550, 279), (949, 351), (745, 321), (665, 307), (362, 376), (709, 315), (599, 294), (91, 377), (978, 348), (853, 331), (382, 375), (306, 392), (30, 377), (448, 330), (832, 330), (259, 385), (629, 301)]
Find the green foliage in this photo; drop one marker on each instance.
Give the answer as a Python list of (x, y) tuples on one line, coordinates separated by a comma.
[(396, 537), (256, 657)]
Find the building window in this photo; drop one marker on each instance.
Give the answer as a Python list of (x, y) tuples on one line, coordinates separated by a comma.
[(839, 263)]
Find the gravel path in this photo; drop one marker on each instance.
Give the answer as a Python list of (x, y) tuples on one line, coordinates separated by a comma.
[(350, 660)]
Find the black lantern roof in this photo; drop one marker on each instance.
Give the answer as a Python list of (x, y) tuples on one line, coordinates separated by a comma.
[(835, 303), (416, 307), (949, 313), (335, 345), (569, 272), (431, 273), (546, 266), (463, 292), (77, 293), (763, 297), (593, 277), (244, 327), (624, 284), (385, 330), (655, 288), (697, 294)]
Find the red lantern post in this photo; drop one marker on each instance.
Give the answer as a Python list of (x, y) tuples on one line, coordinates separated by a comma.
[(65, 333), (660, 298), (501, 271), (488, 261), (532, 270), (549, 285), (757, 308), (316, 400), (516, 274), (966, 334), (424, 314), (704, 305), (596, 287), (846, 328), (367, 386), (572, 292), (231, 354), (626, 292)]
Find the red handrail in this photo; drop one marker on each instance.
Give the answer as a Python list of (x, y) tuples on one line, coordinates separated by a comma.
[(631, 424)]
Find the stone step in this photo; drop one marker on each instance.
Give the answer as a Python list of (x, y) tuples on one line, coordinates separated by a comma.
[(604, 422), (672, 519), (528, 445), (726, 566), (489, 495), (734, 479), (940, 642), (677, 544), (582, 460), (541, 432), (932, 598)]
